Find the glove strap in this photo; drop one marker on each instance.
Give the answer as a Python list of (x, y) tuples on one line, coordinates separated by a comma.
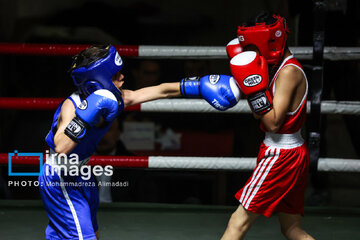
[(76, 129), (190, 87), (261, 102)]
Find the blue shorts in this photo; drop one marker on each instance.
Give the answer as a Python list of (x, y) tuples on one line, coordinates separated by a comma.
[(71, 204)]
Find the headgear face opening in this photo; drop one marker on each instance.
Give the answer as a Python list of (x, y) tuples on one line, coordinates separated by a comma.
[(269, 39), (93, 73)]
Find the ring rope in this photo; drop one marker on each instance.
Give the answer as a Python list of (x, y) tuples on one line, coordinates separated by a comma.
[(178, 105), (191, 163), (218, 52), (174, 105), (14, 103)]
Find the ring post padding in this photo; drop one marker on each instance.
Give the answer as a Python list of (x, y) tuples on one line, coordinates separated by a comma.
[(316, 85)]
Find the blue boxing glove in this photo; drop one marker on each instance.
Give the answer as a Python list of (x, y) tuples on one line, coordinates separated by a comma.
[(220, 91), (101, 103)]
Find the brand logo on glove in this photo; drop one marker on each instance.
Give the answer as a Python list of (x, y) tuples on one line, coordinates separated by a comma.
[(252, 80), (74, 127), (214, 79), (83, 105), (217, 104), (259, 103)]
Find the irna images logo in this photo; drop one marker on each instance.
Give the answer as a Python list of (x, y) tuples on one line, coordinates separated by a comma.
[(57, 164), (16, 156)]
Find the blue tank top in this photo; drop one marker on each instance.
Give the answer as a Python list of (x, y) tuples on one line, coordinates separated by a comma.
[(87, 146)]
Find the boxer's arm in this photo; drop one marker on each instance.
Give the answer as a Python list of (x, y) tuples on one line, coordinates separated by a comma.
[(286, 88), (164, 90), (64, 144)]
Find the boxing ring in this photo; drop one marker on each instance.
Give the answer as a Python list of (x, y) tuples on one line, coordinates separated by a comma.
[(134, 221), (139, 220)]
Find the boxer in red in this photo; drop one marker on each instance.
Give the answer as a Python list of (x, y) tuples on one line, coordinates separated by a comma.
[(278, 98)]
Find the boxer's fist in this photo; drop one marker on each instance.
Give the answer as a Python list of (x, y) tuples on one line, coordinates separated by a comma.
[(251, 73), (233, 48), (220, 91), (101, 103)]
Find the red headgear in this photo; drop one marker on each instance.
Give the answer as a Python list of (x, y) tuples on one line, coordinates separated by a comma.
[(269, 39)]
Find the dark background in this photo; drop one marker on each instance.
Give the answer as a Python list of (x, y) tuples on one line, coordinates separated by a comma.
[(193, 23)]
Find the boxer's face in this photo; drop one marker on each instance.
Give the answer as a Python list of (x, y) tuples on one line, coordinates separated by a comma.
[(118, 79)]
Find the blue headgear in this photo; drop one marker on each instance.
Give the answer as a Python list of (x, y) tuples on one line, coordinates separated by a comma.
[(96, 73)]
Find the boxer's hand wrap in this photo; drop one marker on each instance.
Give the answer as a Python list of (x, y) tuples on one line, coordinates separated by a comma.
[(190, 87), (260, 102), (76, 129)]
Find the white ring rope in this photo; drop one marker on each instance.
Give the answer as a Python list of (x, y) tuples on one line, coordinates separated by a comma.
[(201, 106), (340, 107), (306, 53), (231, 163), (206, 163)]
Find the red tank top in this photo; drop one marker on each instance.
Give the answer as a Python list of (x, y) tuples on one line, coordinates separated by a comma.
[(293, 120)]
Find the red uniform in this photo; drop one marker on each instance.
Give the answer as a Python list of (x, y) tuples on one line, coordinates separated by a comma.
[(278, 182)]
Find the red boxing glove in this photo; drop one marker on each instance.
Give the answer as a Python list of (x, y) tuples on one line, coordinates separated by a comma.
[(233, 48), (251, 72)]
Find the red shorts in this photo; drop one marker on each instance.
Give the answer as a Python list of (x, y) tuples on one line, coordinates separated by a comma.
[(278, 182)]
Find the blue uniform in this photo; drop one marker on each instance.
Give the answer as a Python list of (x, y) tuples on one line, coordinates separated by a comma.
[(70, 201)]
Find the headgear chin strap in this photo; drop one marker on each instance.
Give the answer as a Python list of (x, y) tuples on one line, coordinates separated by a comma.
[(269, 39), (97, 73)]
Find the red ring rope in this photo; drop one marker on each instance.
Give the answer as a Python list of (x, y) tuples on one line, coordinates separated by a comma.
[(124, 161), (39, 104), (58, 49), (29, 103)]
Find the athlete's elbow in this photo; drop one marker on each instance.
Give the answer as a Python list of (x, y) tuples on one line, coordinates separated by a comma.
[(273, 127), (62, 148), (59, 149)]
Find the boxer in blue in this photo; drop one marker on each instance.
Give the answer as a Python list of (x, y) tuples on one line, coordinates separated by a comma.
[(71, 201)]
